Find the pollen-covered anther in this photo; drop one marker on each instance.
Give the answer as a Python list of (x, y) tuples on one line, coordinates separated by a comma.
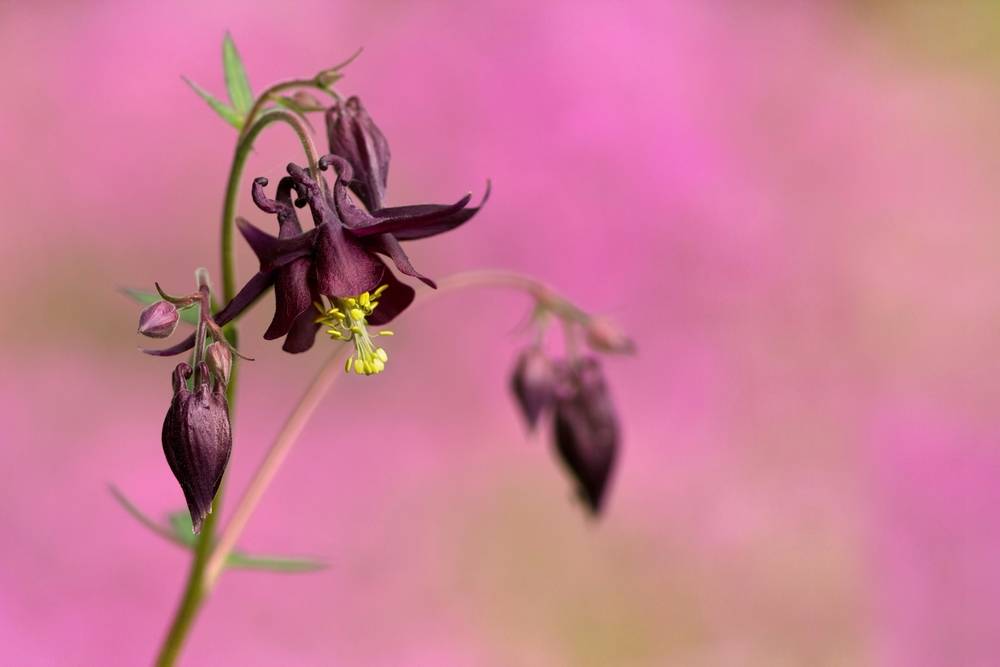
[(345, 320)]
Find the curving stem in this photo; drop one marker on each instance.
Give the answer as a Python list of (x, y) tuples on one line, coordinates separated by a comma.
[(545, 298), (195, 589)]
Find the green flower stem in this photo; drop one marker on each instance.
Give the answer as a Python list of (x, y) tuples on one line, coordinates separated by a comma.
[(324, 379), (195, 590), (268, 96)]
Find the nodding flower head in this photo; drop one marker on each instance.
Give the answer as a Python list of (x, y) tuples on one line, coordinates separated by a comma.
[(586, 428), (340, 259), (197, 438)]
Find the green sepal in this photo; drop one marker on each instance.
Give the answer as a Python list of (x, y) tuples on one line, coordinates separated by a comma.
[(236, 78), (226, 112)]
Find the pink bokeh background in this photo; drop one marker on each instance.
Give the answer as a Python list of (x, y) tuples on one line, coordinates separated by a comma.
[(791, 206)]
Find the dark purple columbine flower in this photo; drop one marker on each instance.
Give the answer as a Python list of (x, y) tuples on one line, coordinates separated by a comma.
[(197, 439), (341, 257), (586, 428), (533, 383)]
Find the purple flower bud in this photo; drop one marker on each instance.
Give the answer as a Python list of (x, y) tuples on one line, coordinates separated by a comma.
[(586, 429), (355, 137), (533, 384), (197, 439), (220, 361), (158, 320)]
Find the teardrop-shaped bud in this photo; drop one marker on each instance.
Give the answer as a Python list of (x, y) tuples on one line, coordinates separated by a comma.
[(533, 384), (355, 137), (197, 439), (586, 429), (220, 361), (603, 335), (158, 319)]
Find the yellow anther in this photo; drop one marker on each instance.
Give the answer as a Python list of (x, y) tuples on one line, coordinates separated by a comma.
[(386, 333), (344, 319)]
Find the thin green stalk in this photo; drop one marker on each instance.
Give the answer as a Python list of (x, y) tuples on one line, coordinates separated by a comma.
[(195, 590)]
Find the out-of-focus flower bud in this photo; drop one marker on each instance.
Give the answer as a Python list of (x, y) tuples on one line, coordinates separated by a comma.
[(533, 384), (586, 429), (158, 320), (220, 361), (306, 101), (603, 335), (197, 439), (355, 137)]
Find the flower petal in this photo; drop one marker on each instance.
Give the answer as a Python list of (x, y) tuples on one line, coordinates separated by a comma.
[(274, 252), (343, 267), (292, 297), (302, 334), (388, 245), (408, 223), (393, 301)]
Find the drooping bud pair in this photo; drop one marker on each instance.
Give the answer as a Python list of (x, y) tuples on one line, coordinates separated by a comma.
[(197, 438), (585, 423), (158, 319)]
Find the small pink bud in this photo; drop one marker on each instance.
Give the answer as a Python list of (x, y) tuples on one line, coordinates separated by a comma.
[(603, 335), (220, 361), (158, 320)]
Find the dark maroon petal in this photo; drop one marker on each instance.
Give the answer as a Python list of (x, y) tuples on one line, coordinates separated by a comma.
[(292, 296), (358, 140), (388, 245), (274, 252), (409, 223), (394, 300), (343, 267), (250, 292), (303, 332), (586, 431)]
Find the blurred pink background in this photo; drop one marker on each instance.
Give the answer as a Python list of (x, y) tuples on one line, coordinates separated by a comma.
[(792, 206)]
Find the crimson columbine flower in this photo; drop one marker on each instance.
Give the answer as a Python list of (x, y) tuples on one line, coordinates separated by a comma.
[(197, 438), (340, 259), (586, 428)]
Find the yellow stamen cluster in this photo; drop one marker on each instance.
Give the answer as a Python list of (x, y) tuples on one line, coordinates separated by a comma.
[(345, 320)]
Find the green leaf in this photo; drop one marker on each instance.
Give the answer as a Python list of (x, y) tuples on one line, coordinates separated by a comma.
[(145, 520), (189, 315), (243, 561), (236, 77), (226, 112), (180, 523)]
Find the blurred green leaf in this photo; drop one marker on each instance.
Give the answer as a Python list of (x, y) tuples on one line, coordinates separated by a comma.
[(236, 77), (138, 515), (180, 523), (189, 315), (227, 113)]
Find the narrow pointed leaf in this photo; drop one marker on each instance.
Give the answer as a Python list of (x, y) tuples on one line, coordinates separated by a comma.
[(273, 563), (137, 514), (189, 315), (236, 77), (180, 523), (226, 112)]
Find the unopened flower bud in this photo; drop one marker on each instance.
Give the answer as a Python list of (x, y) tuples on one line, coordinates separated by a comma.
[(220, 361), (306, 101), (158, 320), (533, 383), (197, 439), (603, 335), (586, 429), (355, 137)]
